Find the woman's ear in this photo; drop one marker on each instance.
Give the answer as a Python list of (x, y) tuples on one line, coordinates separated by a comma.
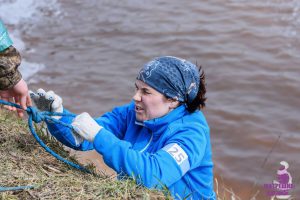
[(173, 103)]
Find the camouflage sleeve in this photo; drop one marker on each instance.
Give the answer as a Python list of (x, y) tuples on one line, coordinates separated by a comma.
[(10, 60)]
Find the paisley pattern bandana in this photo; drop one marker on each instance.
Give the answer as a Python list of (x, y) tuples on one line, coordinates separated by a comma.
[(174, 77)]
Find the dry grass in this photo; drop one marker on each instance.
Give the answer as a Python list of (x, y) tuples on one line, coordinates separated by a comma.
[(24, 162)]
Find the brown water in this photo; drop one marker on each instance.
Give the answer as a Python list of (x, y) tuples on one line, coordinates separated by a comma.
[(249, 50)]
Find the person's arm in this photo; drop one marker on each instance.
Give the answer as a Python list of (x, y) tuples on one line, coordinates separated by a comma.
[(10, 60), (65, 135), (51, 102), (114, 121), (181, 153), (12, 87)]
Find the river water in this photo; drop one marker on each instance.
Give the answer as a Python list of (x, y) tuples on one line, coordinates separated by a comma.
[(90, 53)]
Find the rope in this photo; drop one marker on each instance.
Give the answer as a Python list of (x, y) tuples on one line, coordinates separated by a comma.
[(37, 117), (5, 189)]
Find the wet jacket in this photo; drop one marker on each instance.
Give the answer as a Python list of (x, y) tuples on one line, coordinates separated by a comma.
[(173, 150), (10, 60)]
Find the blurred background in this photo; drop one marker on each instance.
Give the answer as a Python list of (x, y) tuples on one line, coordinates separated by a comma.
[(89, 52)]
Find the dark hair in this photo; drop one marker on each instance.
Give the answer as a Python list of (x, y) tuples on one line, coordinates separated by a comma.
[(199, 101)]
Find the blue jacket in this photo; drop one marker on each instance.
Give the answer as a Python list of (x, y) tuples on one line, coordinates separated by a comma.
[(5, 40), (172, 151)]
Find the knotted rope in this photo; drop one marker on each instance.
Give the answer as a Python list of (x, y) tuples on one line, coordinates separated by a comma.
[(38, 116)]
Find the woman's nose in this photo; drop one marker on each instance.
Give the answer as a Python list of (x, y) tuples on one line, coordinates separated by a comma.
[(137, 96)]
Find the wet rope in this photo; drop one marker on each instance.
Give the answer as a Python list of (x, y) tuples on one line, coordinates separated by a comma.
[(37, 117)]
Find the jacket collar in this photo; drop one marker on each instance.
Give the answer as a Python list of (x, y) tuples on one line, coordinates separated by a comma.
[(158, 123)]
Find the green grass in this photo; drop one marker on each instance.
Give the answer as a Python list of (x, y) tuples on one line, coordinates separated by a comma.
[(24, 162)]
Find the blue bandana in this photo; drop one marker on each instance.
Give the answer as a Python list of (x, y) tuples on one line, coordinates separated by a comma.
[(174, 77)]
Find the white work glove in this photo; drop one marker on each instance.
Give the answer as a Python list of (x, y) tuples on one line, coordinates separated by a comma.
[(47, 101), (86, 126)]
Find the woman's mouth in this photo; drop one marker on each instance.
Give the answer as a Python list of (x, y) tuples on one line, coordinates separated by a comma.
[(138, 109)]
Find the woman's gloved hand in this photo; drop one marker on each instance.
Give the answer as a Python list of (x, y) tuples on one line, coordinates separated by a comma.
[(47, 101), (86, 126)]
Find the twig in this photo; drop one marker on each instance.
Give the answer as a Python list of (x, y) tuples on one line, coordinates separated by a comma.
[(266, 158)]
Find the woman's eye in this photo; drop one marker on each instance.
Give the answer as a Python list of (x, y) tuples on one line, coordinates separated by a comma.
[(146, 92)]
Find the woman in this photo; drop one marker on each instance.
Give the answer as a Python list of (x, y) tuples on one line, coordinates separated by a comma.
[(160, 138)]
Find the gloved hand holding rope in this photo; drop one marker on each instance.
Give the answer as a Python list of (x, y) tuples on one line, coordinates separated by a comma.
[(84, 126), (51, 110)]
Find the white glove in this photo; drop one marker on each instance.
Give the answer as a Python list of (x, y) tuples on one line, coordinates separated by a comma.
[(47, 101), (86, 126)]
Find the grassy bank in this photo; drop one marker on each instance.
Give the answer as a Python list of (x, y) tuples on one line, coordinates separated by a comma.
[(24, 162)]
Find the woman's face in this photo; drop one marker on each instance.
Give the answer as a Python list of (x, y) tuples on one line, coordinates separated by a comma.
[(149, 103)]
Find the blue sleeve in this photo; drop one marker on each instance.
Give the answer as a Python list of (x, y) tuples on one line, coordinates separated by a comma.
[(116, 120), (193, 140), (150, 169), (65, 135)]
